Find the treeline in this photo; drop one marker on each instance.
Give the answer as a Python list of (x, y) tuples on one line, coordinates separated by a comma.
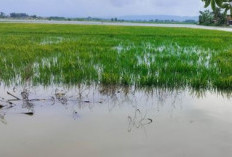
[(18, 16), (168, 21), (213, 18), (58, 18)]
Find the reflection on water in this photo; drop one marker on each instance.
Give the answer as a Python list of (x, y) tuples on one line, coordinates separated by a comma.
[(23, 100), (98, 120), (138, 120), (2, 118)]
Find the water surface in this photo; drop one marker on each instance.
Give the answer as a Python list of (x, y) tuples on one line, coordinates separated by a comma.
[(228, 29), (103, 121)]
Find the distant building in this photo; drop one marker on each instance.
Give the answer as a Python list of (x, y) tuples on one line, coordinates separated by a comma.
[(229, 20)]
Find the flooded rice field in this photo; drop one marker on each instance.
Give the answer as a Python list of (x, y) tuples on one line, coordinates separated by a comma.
[(227, 29), (60, 115), (112, 121)]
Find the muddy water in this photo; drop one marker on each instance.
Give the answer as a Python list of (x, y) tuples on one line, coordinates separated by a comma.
[(103, 122)]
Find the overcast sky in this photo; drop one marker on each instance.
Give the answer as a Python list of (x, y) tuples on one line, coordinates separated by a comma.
[(102, 8)]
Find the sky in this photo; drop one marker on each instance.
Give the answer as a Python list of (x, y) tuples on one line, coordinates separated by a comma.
[(102, 8)]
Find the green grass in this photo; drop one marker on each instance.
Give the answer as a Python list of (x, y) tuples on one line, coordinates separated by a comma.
[(115, 55)]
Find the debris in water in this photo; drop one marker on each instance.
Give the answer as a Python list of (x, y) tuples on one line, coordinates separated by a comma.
[(29, 113), (25, 94), (76, 115), (13, 95), (138, 121), (150, 121), (10, 103), (61, 97), (2, 118), (14, 89)]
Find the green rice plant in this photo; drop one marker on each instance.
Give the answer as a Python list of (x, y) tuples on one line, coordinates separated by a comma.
[(115, 55)]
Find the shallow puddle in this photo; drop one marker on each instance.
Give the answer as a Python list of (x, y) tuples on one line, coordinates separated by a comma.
[(108, 121)]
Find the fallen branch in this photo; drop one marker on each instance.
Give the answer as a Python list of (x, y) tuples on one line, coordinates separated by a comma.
[(13, 96), (13, 100)]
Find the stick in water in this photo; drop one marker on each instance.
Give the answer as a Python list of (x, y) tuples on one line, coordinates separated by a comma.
[(13, 95)]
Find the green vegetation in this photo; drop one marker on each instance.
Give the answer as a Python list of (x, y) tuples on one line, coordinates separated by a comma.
[(115, 55), (223, 4), (142, 19), (215, 18)]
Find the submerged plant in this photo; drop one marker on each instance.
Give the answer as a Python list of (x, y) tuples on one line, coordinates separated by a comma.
[(115, 55)]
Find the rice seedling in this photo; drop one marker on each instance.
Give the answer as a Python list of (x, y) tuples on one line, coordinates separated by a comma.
[(115, 55)]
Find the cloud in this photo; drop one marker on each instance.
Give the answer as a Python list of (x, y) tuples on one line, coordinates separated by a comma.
[(74, 8), (121, 3), (166, 3)]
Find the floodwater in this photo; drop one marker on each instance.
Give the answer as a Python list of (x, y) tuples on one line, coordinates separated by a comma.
[(228, 29), (108, 121)]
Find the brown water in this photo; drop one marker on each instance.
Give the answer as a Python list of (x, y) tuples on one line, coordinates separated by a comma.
[(103, 122)]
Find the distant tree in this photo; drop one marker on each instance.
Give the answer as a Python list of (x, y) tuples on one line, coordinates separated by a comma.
[(18, 15), (56, 18), (206, 17), (2, 14), (89, 18), (114, 19), (219, 17), (34, 16), (189, 21)]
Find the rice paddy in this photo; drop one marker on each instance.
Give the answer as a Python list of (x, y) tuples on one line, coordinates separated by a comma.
[(115, 55), (91, 90)]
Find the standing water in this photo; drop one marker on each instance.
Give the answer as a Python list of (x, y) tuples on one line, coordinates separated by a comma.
[(111, 121)]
